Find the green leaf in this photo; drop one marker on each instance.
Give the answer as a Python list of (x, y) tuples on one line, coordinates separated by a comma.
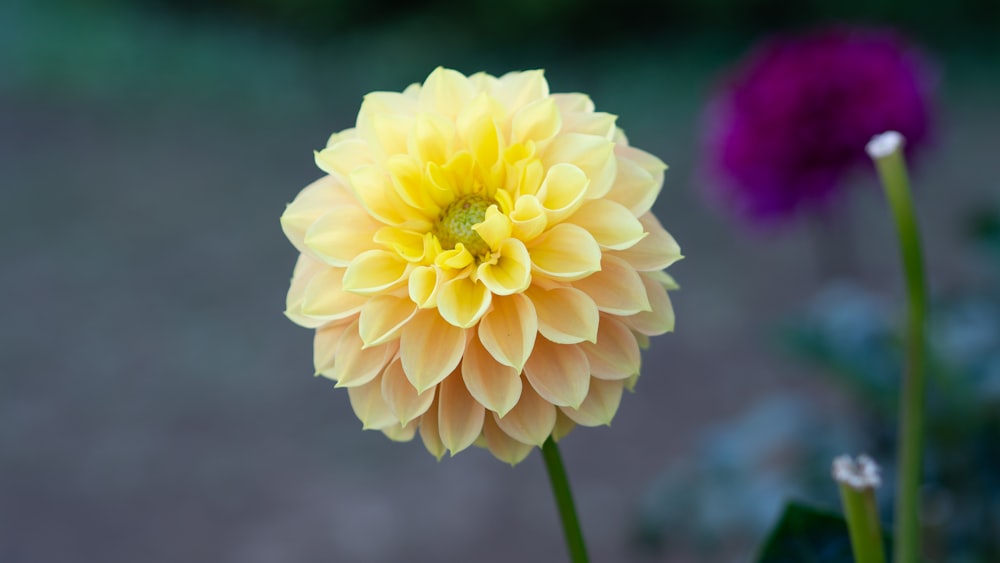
[(805, 534)]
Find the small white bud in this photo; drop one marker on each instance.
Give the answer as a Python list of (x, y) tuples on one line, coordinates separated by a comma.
[(859, 475), (884, 144)]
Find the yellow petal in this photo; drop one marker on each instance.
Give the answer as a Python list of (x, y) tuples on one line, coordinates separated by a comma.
[(616, 289), (457, 258), (407, 175), (496, 386), (444, 183), (538, 121), (615, 355), (661, 319), (477, 126), (430, 349), (528, 218), (565, 315), (429, 434), (600, 405), (566, 252), (510, 269), (655, 252), (400, 396), (386, 134), (382, 318), (530, 421), (326, 299), (306, 268), (357, 365), (508, 331), (432, 138), (529, 179), (495, 228), (445, 92), (639, 179), (408, 245), (375, 271), (562, 191), (317, 199), (370, 408), (612, 225), (517, 89), (662, 278), (325, 344), (375, 103), (462, 301), (502, 446), (593, 123), (460, 417), (559, 373), (592, 154), (482, 82), (400, 432), (341, 158), (349, 133), (341, 234), (379, 197), (574, 102), (424, 283)]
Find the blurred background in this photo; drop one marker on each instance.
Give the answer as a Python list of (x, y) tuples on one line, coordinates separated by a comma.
[(156, 406)]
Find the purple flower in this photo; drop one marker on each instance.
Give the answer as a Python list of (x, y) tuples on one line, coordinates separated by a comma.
[(793, 119)]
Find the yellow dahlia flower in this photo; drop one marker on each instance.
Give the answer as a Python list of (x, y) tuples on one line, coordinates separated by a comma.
[(480, 263)]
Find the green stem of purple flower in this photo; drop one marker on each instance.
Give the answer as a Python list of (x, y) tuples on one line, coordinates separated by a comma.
[(892, 171)]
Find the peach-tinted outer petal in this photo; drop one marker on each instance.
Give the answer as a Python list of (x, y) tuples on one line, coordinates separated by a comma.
[(615, 355), (370, 408), (565, 252), (306, 268), (616, 289), (530, 421), (560, 373), (399, 394), (325, 347), (429, 433), (357, 365), (496, 386), (565, 315), (460, 416), (660, 319), (430, 349), (655, 252), (501, 445), (600, 405), (508, 331)]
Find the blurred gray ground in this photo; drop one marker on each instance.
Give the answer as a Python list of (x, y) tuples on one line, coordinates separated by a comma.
[(156, 406)]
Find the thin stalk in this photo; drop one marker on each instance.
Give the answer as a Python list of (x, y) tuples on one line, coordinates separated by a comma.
[(863, 524), (892, 171), (564, 501)]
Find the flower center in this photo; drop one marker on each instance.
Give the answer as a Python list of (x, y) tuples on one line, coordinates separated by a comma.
[(456, 222)]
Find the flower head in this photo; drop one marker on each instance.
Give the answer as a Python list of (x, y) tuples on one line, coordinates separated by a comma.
[(794, 118), (480, 263)]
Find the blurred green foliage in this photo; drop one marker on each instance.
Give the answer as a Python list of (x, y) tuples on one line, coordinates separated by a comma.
[(804, 533), (603, 21), (852, 334)]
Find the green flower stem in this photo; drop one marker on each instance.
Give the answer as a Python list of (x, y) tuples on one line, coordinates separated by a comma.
[(892, 171), (564, 501), (862, 523)]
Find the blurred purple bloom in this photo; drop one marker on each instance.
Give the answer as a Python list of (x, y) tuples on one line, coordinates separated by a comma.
[(794, 117)]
